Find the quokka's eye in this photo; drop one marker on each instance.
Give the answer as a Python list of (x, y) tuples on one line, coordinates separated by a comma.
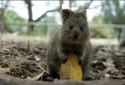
[(71, 27), (81, 28)]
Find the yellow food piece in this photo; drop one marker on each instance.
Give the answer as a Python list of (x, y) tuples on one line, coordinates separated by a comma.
[(71, 69)]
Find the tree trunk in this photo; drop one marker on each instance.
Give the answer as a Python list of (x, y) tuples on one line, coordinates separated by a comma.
[(1, 19), (60, 5), (31, 22), (70, 4), (4, 6), (30, 17), (30, 28), (121, 37)]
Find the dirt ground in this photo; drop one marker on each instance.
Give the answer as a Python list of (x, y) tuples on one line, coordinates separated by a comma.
[(24, 58)]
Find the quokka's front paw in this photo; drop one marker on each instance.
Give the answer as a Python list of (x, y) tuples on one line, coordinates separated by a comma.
[(63, 58), (88, 78), (80, 62)]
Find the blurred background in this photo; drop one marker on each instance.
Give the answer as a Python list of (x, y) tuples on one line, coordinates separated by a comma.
[(38, 19)]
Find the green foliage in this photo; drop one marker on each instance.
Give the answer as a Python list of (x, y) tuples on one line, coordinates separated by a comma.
[(97, 20), (14, 23), (100, 32), (113, 11), (44, 26)]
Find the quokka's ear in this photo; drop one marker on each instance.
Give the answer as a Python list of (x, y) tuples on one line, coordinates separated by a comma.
[(66, 13), (84, 14)]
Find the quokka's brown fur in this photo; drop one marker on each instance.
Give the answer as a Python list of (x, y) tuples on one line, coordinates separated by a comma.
[(72, 38)]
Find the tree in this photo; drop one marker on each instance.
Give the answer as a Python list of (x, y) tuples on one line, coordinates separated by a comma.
[(113, 12), (43, 29), (4, 5), (70, 3), (10, 17), (30, 14), (86, 6)]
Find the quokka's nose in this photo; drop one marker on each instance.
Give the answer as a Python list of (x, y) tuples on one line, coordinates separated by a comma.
[(75, 36)]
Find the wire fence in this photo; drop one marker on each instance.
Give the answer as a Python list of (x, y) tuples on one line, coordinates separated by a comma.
[(120, 26), (49, 28)]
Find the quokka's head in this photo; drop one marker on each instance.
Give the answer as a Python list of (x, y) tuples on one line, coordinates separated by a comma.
[(75, 26)]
